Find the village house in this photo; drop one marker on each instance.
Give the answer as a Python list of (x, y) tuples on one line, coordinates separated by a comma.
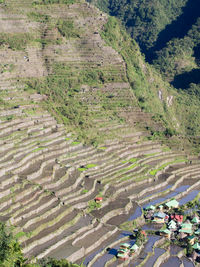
[(159, 217), (98, 199), (166, 233), (172, 204), (195, 220), (172, 225), (133, 249), (196, 246), (124, 246), (177, 218)]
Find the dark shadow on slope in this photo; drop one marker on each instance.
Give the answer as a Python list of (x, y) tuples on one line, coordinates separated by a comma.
[(197, 54), (185, 79), (177, 29)]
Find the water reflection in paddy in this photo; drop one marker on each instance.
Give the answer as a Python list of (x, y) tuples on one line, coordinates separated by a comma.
[(110, 254), (157, 253), (147, 248), (172, 262), (187, 262), (159, 191), (189, 197), (168, 196)]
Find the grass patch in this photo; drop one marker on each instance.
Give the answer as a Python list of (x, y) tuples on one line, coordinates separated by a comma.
[(151, 154), (132, 166), (36, 16), (82, 169), (133, 160), (88, 166), (93, 205), (91, 166), (102, 148), (47, 2), (75, 143), (20, 234), (67, 29), (38, 149), (84, 191), (17, 41), (154, 172)]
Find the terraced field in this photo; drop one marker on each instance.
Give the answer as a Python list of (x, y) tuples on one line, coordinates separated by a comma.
[(48, 179)]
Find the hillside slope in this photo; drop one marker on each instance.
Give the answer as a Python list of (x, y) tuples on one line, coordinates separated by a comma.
[(74, 125)]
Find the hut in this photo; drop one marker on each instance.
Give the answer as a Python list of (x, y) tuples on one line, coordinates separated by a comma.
[(172, 225), (195, 220), (98, 199), (186, 226), (182, 235), (172, 204), (151, 207), (159, 217), (134, 248), (124, 246), (165, 233), (123, 256), (123, 253), (197, 232), (196, 246), (178, 218)]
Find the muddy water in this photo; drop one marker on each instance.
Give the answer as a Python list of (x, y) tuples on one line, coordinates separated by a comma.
[(168, 196), (172, 262), (147, 248), (157, 253), (190, 196), (159, 191), (187, 263), (174, 250), (152, 227), (136, 214)]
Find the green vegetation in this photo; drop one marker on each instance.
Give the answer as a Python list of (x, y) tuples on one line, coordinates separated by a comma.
[(177, 57), (145, 92), (93, 205), (154, 172), (84, 191), (46, 2), (90, 166), (143, 19), (36, 16), (17, 41), (67, 29), (183, 116), (87, 167), (11, 255)]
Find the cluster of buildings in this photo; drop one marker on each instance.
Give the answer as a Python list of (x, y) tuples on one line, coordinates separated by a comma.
[(126, 250), (176, 226)]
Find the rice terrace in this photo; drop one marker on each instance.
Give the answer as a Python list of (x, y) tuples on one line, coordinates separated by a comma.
[(99, 154)]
